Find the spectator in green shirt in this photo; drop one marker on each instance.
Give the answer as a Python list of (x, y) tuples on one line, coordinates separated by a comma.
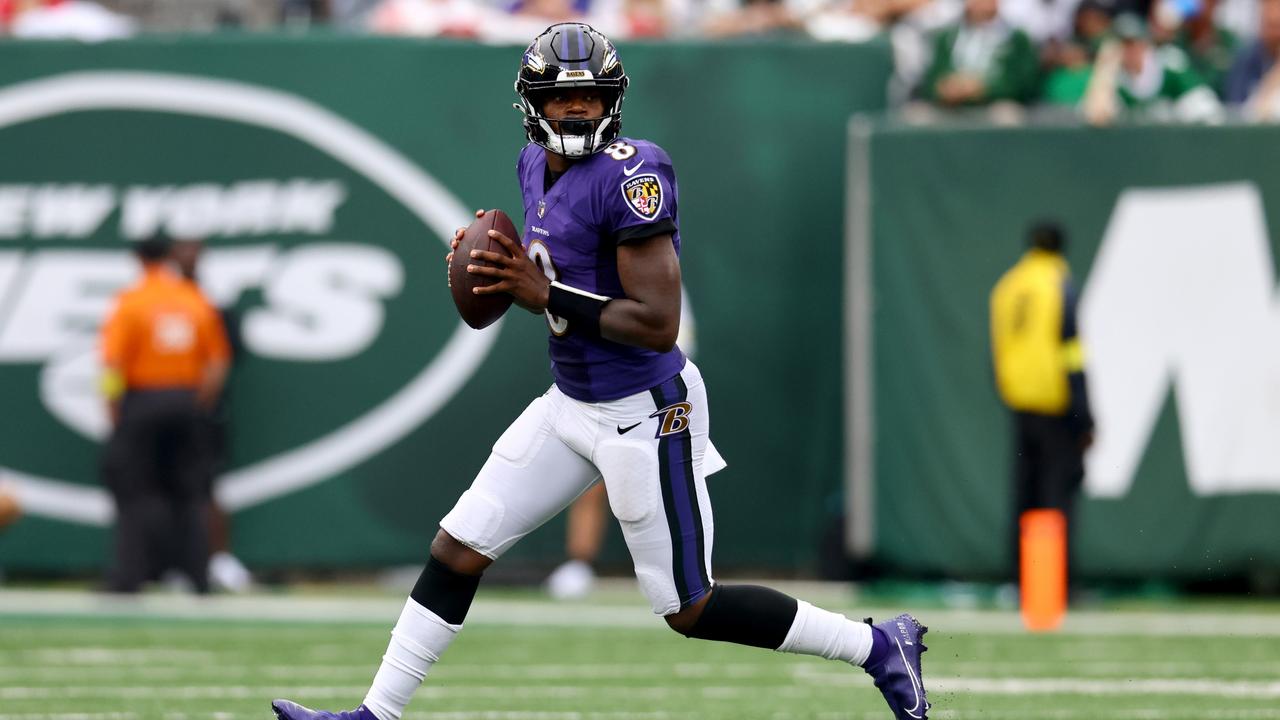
[(981, 61), (1069, 64), (1189, 26), (1135, 77)]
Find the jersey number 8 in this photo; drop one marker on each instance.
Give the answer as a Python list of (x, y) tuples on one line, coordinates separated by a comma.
[(620, 151)]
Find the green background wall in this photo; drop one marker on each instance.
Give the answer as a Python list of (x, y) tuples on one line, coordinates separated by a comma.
[(949, 209)]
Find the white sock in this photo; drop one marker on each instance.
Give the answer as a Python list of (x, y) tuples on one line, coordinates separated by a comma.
[(417, 642), (826, 634)]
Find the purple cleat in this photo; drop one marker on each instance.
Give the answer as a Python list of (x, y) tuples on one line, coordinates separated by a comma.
[(897, 672), (286, 710)]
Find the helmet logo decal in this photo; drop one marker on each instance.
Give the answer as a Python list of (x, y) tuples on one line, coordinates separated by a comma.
[(534, 60), (610, 59), (644, 195)]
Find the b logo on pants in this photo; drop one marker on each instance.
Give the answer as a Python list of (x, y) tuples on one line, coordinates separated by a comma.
[(675, 419)]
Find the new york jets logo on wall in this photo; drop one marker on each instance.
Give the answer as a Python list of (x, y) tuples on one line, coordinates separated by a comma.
[(324, 240)]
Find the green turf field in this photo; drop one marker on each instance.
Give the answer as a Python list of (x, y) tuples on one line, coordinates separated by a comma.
[(71, 656)]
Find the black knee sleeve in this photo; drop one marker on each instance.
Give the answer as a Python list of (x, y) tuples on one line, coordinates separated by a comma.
[(444, 592), (746, 615)]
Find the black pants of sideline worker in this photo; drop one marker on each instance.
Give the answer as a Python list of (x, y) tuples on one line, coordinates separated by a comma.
[(155, 467), (1048, 470)]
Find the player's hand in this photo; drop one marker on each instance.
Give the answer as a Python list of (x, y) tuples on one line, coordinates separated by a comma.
[(457, 237), (453, 245), (516, 275)]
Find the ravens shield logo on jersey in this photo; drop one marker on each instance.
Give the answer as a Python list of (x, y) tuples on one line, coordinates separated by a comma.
[(644, 195)]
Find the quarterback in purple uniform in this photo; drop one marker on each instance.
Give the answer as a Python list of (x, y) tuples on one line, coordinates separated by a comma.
[(600, 261)]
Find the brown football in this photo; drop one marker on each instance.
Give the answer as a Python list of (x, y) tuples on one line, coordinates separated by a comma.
[(479, 311)]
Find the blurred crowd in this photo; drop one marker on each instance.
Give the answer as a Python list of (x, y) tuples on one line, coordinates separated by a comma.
[(1168, 60), (1183, 60)]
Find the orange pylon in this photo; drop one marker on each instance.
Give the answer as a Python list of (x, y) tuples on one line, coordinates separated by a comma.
[(1044, 569)]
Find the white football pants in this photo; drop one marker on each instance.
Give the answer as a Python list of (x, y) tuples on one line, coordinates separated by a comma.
[(653, 453)]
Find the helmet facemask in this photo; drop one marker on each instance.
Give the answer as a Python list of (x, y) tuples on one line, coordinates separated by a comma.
[(572, 137)]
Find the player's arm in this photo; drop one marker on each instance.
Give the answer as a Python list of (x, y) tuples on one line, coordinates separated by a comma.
[(649, 315)]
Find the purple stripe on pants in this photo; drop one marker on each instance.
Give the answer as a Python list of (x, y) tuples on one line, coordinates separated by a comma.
[(683, 491)]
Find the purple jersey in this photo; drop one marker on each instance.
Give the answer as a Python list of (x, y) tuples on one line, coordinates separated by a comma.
[(624, 193)]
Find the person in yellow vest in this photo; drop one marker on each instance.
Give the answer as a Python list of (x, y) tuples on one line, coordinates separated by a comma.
[(1040, 375)]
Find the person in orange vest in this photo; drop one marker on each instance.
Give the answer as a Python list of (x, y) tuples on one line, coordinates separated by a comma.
[(1040, 375), (165, 358)]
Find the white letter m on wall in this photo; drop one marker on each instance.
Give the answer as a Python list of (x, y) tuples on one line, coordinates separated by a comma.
[(1182, 296)]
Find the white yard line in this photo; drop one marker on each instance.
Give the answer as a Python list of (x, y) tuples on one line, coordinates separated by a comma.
[(501, 612), (1156, 687), (1056, 714), (1060, 714), (420, 715), (18, 667), (411, 715), (937, 714), (249, 692), (214, 670), (70, 716), (302, 609), (533, 715), (1005, 685), (455, 715), (97, 655), (1239, 689)]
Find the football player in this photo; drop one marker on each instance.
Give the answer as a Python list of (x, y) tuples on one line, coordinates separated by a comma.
[(600, 260)]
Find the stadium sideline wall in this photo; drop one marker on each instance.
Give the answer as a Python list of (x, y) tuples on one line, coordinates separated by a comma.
[(1173, 239)]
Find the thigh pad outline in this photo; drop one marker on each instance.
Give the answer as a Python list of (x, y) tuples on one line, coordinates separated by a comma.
[(630, 471)]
